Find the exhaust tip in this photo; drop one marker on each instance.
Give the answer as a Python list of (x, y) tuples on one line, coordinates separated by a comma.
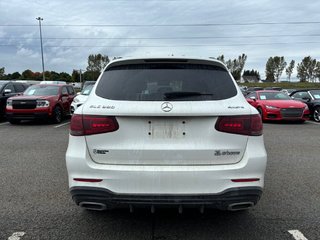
[(93, 206), (240, 206)]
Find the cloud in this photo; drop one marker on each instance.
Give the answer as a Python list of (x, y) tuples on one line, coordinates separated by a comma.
[(25, 52), (230, 40)]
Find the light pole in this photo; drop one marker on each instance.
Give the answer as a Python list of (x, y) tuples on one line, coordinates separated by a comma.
[(43, 76)]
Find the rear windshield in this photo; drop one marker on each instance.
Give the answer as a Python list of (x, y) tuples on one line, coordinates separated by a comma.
[(42, 90), (162, 81)]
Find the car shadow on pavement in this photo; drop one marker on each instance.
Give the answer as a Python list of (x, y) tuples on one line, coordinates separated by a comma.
[(170, 224), (41, 122)]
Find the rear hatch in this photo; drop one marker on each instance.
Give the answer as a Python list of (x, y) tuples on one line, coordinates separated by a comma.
[(166, 113)]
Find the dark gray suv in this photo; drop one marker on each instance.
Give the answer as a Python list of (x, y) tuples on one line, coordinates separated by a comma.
[(9, 89)]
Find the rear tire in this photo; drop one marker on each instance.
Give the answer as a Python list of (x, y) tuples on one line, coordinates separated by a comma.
[(14, 121), (316, 114), (57, 114)]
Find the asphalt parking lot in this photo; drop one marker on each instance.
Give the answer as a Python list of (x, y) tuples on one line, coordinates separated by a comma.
[(36, 203)]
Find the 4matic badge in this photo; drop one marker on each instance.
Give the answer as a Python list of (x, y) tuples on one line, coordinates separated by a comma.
[(100, 151), (225, 153)]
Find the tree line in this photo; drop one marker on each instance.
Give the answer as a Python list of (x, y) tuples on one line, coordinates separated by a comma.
[(308, 70), (96, 63)]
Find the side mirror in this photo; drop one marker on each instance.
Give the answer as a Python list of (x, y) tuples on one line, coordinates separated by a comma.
[(306, 99), (6, 92)]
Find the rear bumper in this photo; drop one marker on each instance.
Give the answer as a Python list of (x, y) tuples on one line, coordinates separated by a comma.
[(221, 200), (178, 179)]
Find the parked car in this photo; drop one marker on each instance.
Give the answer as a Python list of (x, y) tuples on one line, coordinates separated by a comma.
[(243, 90), (81, 98), (273, 88), (252, 89), (87, 83), (288, 91), (9, 89), (311, 97), (41, 101), (166, 131), (53, 82), (276, 105)]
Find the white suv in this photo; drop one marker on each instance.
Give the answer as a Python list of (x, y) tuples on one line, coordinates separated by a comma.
[(166, 131)]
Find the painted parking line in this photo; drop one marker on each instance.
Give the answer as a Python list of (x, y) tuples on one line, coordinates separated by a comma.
[(61, 125), (16, 236), (297, 235)]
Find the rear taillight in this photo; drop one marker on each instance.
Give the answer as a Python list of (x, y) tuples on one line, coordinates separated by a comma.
[(82, 125), (250, 125)]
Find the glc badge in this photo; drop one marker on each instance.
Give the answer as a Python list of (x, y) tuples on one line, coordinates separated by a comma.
[(166, 107)]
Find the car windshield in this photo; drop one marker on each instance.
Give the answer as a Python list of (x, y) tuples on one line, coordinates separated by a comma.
[(166, 81), (2, 84), (315, 94), (42, 90), (273, 96), (87, 90)]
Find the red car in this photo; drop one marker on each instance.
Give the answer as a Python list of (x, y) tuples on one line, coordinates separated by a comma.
[(276, 105), (42, 101)]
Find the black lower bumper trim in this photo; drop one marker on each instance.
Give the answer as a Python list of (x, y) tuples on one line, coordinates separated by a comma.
[(220, 201), (27, 116)]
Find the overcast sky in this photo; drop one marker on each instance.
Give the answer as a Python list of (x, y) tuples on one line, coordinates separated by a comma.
[(72, 30)]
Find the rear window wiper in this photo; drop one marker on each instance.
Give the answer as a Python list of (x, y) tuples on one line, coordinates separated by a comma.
[(172, 95)]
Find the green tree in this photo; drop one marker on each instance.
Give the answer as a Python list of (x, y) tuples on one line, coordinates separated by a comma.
[(274, 68), (317, 71), (253, 74), (270, 70), (221, 58), (236, 66), (27, 75), (307, 69), (38, 76), (2, 72), (289, 69), (63, 76), (15, 75), (54, 76), (75, 76), (87, 76), (281, 64), (96, 63)]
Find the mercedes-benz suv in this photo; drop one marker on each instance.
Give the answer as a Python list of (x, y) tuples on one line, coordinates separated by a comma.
[(166, 132)]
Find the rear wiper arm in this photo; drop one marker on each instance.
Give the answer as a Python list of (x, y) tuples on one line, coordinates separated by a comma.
[(171, 95)]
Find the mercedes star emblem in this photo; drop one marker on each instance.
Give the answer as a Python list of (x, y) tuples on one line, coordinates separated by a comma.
[(166, 107)]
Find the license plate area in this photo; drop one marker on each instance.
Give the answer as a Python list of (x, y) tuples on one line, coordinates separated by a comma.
[(167, 128)]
